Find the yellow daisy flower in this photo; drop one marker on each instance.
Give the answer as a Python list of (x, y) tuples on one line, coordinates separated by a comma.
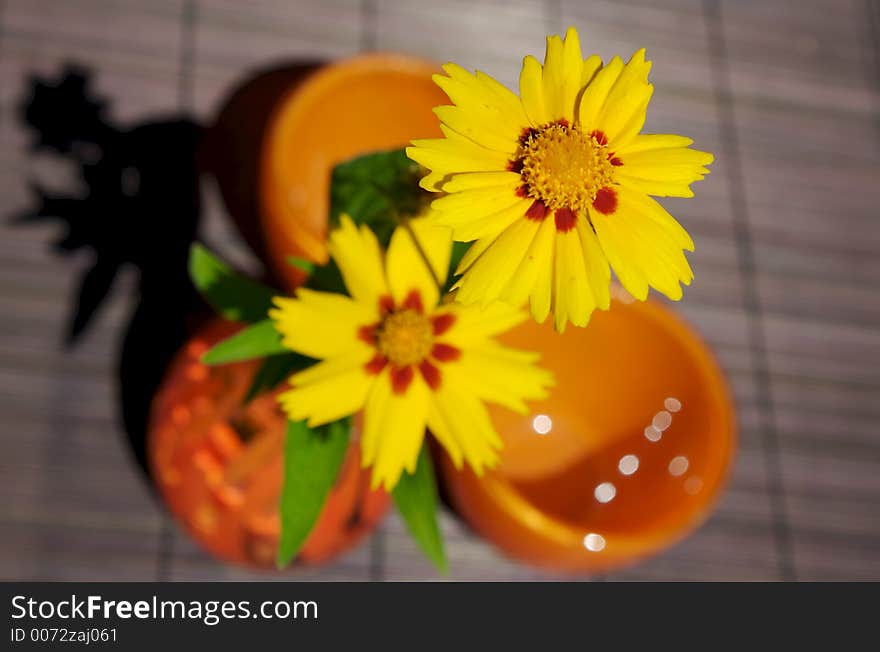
[(554, 185), (408, 360)]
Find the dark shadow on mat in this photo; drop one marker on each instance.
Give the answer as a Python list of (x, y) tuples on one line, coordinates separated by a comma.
[(140, 208)]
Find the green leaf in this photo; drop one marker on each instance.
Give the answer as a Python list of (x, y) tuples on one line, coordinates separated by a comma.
[(255, 341), (312, 458), (274, 370), (377, 189), (459, 249), (326, 278), (301, 263), (416, 499), (232, 295)]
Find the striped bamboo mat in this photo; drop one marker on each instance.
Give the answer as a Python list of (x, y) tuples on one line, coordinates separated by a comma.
[(787, 290)]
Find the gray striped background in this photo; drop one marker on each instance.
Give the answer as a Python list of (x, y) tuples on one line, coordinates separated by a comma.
[(787, 288)]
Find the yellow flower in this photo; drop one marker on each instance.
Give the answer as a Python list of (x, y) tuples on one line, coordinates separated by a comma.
[(409, 361), (553, 185)]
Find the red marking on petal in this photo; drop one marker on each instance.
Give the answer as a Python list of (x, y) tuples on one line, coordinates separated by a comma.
[(565, 219), (377, 364), (605, 201), (430, 373), (600, 137), (445, 352), (401, 377), (515, 165), (368, 333), (522, 191), (413, 301), (537, 211), (442, 322), (562, 122), (526, 134), (386, 304), (615, 161)]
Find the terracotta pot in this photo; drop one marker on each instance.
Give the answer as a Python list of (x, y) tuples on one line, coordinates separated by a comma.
[(365, 104), (219, 465), (586, 482)]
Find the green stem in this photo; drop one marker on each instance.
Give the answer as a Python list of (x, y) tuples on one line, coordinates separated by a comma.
[(412, 234), (405, 222)]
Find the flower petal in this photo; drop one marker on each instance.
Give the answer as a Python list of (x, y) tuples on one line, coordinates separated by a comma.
[(483, 98), (359, 258), (320, 324), (504, 179), (394, 428), (453, 154), (573, 299), (333, 390), (598, 271), (490, 225), (591, 66), (461, 423), (594, 95), (469, 205), (561, 79), (471, 323), (490, 273), (478, 128), (356, 358), (643, 247), (541, 297), (623, 113), (522, 284), (655, 166), (405, 263), (499, 375), (531, 91)]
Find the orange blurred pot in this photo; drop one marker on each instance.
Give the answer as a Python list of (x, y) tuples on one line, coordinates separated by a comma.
[(365, 104), (219, 465), (626, 456)]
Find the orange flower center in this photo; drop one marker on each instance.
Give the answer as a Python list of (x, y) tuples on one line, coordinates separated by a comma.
[(564, 167), (405, 337)]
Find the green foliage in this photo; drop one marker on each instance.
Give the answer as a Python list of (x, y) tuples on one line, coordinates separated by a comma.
[(256, 341), (273, 371), (326, 278), (416, 499), (302, 264), (377, 190), (232, 295), (312, 458)]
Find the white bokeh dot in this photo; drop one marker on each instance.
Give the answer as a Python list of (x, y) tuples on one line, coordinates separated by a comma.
[(652, 434), (605, 492), (662, 420), (678, 465), (594, 542), (672, 404), (542, 424), (628, 464)]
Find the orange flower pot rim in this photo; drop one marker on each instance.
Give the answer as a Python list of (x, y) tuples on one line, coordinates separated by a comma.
[(293, 112), (566, 534)]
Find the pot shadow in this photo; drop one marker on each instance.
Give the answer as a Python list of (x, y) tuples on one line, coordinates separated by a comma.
[(142, 209)]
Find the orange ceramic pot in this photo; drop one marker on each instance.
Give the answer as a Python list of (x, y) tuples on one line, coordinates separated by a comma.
[(218, 464), (365, 104), (626, 456)]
